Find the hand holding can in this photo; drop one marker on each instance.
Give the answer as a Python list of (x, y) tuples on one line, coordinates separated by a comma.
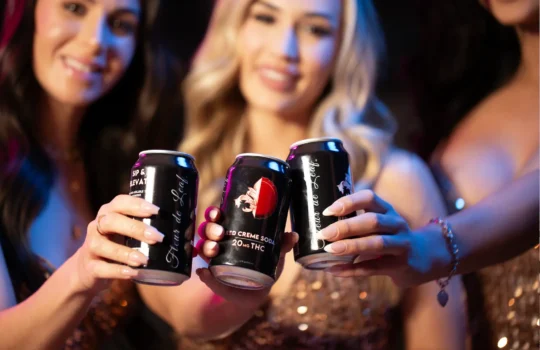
[(254, 210), (169, 180), (211, 233)]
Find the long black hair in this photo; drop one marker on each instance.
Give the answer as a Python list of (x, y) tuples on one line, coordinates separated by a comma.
[(142, 111), (464, 55)]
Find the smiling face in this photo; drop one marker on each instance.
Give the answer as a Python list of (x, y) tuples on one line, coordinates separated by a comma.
[(83, 48), (513, 12), (287, 51)]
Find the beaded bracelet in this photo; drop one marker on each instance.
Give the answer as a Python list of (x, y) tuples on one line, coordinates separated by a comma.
[(442, 296)]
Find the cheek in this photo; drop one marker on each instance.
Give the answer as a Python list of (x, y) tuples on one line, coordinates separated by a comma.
[(124, 49), (248, 45), (51, 31), (319, 61)]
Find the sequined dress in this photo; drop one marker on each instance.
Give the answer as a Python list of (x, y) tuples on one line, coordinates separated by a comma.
[(503, 300), (107, 312), (320, 312)]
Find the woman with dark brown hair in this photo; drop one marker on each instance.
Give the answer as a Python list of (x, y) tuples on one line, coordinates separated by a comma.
[(83, 88)]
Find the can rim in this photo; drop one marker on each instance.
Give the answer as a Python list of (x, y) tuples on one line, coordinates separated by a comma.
[(313, 140), (164, 151), (262, 156)]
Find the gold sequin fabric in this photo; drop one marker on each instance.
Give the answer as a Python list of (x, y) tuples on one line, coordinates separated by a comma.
[(106, 312), (511, 303), (319, 312)]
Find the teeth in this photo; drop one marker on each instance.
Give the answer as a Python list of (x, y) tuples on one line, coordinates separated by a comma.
[(78, 65), (272, 74)]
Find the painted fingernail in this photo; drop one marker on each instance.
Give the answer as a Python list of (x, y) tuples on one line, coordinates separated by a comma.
[(201, 230), (335, 208), (216, 230), (136, 258), (126, 271), (335, 248), (327, 233), (211, 213), (152, 234), (211, 245), (149, 208)]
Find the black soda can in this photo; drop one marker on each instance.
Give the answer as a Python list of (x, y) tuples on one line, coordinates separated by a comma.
[(169, 180), (254, 206), (320, 173)]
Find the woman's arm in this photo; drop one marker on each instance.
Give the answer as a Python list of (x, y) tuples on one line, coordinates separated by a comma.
[(47, 318), (203, 308), (497, 228), (407, 184)]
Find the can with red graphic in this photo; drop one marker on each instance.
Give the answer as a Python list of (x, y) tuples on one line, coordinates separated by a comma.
[(254, 208), (320, 173)]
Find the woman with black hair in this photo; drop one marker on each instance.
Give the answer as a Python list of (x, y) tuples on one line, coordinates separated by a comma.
[(84, 86)]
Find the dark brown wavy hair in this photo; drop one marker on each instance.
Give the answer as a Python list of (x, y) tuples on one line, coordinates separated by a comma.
[(142, 111)]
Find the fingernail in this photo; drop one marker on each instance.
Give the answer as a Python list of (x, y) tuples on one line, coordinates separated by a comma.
[(335, 208), (153, 235), (216, 230), (335, 248), (135, 258), (126, 271), (210, 213), (296, 237), (201, 230), (327, 233), (213, 214), (212, 245), (150, 208)]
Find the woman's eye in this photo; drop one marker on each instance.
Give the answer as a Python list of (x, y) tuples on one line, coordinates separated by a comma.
[(76, 8), (122, 27), (267, 19)]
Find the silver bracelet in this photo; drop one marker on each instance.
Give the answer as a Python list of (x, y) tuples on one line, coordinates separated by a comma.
[(449, 237)]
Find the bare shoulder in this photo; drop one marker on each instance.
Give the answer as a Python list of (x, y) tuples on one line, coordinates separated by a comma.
[(407, 183)]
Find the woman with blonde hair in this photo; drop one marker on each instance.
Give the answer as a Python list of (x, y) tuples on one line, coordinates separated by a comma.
[(270, 73)]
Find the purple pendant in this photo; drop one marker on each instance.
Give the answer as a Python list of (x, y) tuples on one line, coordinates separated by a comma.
[(442, 297)]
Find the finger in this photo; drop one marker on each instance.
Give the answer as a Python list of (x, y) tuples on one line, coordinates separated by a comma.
[(129, 205), (379, 244), (289, 240), (362, 200), (104, 270), (362, 225), (212, 214), (214, 231), (201, 230), (117, 223), (104, 248), (381, 266), (199, 249), (210, 249)]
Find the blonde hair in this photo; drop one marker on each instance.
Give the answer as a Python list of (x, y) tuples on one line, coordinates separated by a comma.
[(216, 130)]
